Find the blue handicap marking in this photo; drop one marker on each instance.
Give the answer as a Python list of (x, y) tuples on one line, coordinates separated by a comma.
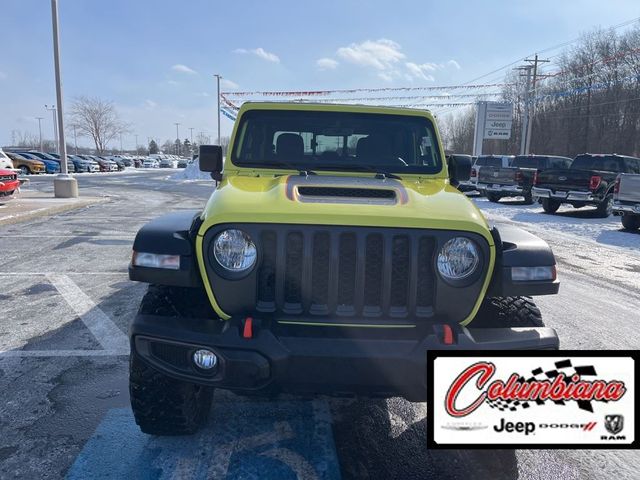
[(244, 439)]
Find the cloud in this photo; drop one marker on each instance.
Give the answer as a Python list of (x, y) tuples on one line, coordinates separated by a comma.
[(173, 82), (326, 64), (3, 76), (228, 84), (423, 71), (150, 104), (259, 52), (183, 69), (454, 64), (203, 94), (380, 54)]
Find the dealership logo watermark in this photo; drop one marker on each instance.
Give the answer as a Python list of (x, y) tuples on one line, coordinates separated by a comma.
[(546, 399)]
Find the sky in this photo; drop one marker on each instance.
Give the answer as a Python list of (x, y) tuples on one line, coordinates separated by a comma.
[(155, 59)]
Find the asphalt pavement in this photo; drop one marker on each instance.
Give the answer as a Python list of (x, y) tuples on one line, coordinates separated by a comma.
[(65, 306)]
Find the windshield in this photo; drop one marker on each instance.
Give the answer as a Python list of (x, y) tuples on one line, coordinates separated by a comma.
[(529, 162), (607, 163), (489, 161), (337, 141)]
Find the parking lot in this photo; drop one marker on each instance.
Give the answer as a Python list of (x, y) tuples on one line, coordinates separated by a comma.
[(66, 302)]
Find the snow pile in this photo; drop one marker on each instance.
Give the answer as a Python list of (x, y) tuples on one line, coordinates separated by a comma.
[(192, 172)]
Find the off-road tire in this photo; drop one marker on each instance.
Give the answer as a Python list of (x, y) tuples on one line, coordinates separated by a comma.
[(493, 197), (605, 207), (164, 406), (502, 312), (630, 222), (549, 205)]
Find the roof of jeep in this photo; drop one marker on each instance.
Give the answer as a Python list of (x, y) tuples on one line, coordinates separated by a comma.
[(333, 107)]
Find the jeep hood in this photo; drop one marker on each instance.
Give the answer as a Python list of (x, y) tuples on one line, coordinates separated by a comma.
[(343, 200)]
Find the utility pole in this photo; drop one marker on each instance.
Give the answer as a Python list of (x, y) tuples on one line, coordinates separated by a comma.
[(121, 144), (40, 130), (177, 139), (136, 135), (530, 100), (525, 117), (64, 185), (218, 77), (75, 139), (52, 109), (191, 131)]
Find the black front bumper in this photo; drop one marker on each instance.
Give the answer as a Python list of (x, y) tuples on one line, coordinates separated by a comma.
[(322, 360)]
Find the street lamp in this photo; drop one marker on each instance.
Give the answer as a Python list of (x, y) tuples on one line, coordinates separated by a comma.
[(177, 139), (64, 185), (40, 130), (218, 77), (52, 109)]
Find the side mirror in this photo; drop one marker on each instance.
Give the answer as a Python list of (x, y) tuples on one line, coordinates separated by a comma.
[(459, 168), (210, 159)]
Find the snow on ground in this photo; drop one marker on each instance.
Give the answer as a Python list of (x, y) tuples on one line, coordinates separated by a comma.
[(192, 172), (567, 222)]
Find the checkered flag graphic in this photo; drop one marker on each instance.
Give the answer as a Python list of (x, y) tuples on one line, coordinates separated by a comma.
[(563, 366)]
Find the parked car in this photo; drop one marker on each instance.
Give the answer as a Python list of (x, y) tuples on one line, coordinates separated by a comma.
[(46, 156), (626, 199), (150, 163), (51, 165), (79, 164), (95, 166), (589, 181), (118, 161), (28, 165), (517, 180), (487, 161), (106, 165), (183, 162), (368, 250), (9, 183), (168, 162), (5, 162)]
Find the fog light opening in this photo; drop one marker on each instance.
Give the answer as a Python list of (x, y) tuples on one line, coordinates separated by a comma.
[(205, 359)]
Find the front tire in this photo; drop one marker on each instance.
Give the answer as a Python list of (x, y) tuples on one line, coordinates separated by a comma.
[(164, 406), (508, 312), (550, 206), (631, 222), (25, 170)]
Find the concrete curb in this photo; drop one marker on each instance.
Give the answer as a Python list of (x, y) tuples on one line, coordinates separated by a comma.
[(48, 210)]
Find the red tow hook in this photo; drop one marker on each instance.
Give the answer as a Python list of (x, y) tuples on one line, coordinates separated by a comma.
[(447, 334), (247, 330)]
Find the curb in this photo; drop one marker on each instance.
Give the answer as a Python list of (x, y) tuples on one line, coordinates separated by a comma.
[(50, 210)]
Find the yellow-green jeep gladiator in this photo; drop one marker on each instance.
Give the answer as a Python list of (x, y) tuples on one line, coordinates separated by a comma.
[(333, 253)]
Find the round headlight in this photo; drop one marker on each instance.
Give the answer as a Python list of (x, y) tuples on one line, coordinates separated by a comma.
[(234, 250), (458, 259)]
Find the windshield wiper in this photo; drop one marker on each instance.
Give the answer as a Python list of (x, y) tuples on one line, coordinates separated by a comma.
[(305, 172), (380, 174)]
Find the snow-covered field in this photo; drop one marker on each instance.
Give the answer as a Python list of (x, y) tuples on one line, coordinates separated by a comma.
[(568, 223)]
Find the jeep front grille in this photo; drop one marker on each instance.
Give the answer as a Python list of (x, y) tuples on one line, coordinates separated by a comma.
[(358, 272)]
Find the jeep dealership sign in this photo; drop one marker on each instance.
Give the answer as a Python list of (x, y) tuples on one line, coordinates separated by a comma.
[(493, 122)]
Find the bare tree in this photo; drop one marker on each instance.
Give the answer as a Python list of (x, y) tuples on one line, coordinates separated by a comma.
[(96, 119)]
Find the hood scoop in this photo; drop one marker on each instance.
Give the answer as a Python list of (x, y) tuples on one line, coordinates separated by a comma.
[(349, 190)]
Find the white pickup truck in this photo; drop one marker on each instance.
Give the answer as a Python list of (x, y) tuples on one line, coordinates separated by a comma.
[(626, 200)]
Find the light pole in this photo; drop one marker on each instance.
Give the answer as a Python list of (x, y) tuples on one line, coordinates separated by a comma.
[(64, 185), (177, 139), (191, 131), (120, 144), (218, 77), (52, 109), (136, 135), (40, 130), (75, 139)]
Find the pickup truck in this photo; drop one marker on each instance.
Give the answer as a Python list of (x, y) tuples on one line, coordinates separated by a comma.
[(589, 181), (516, 181), (487, 161), (626, 200)]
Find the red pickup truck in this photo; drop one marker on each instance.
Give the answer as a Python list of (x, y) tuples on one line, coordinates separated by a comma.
[(9, 183)]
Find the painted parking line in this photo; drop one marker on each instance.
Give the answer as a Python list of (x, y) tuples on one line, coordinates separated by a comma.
[(243, 440), (107, 333)]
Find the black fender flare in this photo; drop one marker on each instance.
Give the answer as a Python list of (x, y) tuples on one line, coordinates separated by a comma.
[(516, 247), (170, 234)]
